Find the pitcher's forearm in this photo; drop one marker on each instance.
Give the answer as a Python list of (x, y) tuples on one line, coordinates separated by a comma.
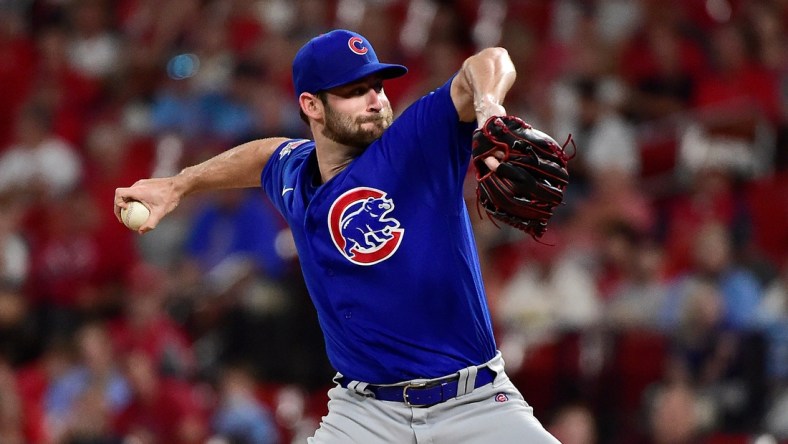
[(238, 167), (482, 84)]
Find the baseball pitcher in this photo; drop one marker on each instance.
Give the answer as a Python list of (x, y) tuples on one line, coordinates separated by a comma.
[(385, 241)]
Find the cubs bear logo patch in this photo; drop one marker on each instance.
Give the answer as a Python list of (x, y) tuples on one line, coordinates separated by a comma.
[(361, 228)]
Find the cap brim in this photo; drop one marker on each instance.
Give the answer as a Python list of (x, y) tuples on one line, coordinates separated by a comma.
[(385, 70)]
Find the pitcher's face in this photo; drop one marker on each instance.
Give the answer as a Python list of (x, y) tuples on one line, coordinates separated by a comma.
[(357, 114)]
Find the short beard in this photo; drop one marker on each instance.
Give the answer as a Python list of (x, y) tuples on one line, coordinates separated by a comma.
[(346, 131)]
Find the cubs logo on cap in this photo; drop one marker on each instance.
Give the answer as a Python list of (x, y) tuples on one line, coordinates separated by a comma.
[(337, 58), (356, 45)]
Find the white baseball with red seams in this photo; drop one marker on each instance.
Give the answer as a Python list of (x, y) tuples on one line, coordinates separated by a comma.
[(134, 215)]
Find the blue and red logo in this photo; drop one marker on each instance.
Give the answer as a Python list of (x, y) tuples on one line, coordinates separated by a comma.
[(357, 45), (360, 228)]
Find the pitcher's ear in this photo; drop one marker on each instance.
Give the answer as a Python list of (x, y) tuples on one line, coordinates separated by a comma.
[(311, 105)]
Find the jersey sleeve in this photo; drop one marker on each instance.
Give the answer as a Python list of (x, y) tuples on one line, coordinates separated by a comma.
[(281, 171), (429, 138)]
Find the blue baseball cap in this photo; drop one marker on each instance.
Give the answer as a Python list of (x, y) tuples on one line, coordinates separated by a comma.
[(337, 58)]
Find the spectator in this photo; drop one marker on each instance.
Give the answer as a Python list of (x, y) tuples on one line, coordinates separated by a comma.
[(574, 424), (161, 409), (313, 17), (713, 262), (146, 328), (738, 111), (245, 27), (661, 64), (433, 70), (70, 97), (674, 415), (711, 197), (640, 290), (213, 57), (579, 54), (607, 139), (82, 401), (607, 173), (70, 276), (269, 52), (273, 111), (704, 349), (39, 163), (240, 416), (33, 380), (93, 51), (176, 109), (525, 51), (550, 292), (113, 156), (613, 196), (718, 347), (227, 114)]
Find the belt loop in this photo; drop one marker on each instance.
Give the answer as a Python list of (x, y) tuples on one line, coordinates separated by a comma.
[(466, 381), (360, 388)]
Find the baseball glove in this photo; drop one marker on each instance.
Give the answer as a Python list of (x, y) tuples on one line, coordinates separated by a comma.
[(531, 178)]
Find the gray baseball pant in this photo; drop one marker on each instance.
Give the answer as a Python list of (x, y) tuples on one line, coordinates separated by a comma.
[(494, 413)]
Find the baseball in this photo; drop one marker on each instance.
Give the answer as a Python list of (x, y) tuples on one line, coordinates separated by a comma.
[(134, 215)]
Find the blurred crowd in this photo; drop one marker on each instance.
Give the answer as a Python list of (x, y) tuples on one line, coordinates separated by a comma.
[(654, 310)]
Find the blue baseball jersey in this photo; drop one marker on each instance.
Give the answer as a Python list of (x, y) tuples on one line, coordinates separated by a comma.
[(387, 250)]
